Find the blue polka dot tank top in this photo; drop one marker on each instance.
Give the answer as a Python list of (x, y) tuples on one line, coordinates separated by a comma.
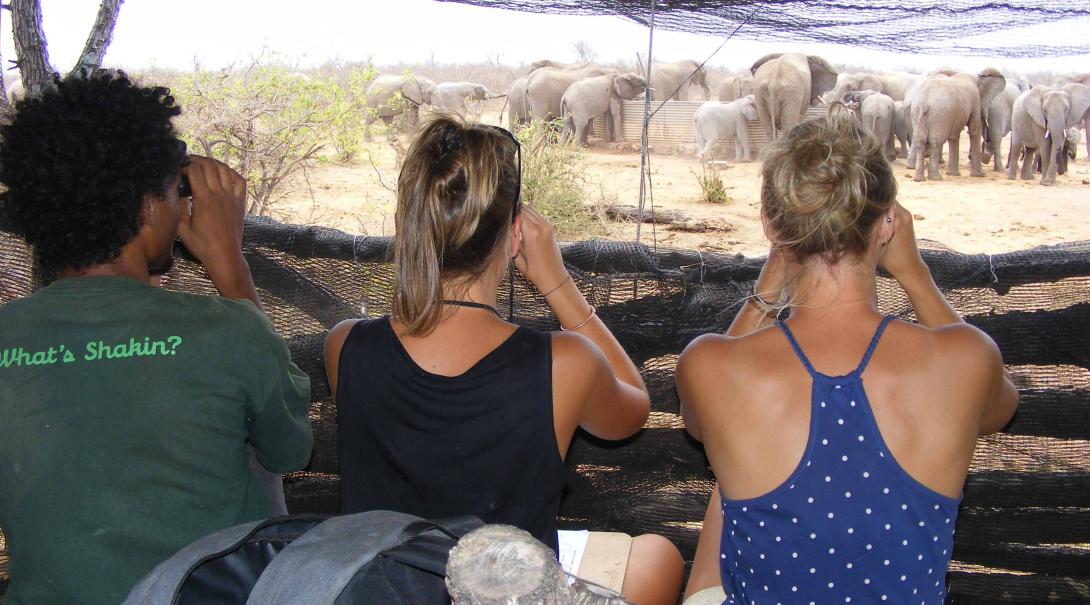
[(849, 525)]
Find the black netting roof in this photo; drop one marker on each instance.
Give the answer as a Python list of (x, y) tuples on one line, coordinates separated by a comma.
[(953, 27)]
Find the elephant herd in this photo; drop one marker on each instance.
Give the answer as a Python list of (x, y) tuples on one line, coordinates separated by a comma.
[(389, 96), (921, 113), (580, 92), (914, 114), (575, 92)]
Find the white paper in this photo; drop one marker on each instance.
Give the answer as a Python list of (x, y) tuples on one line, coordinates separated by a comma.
[(572, 546)]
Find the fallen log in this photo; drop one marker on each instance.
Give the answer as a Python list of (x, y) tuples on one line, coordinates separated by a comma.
[(624, 212)]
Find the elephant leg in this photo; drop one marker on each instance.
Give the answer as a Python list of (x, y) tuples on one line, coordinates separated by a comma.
[(952, 162), (1048, 164), (934, 149), (613, 121), (917, 157), (581, 132), (566, 133), (1027, 164), (765, 117), (741, 141), (976, 167), (1012, 156), (705, 148)]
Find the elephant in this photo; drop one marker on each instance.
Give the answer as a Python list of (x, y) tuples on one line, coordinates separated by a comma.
[(997, 124), (877, 112), (1078, 92), (784, 85), (517, 111), (453, 95), (597, 96), (670, 79), (1040, 121), (941, 107), (716, 121), (895, 85), (733, 88), (902, 127), (546, 86), (557, 64), (389, 96)]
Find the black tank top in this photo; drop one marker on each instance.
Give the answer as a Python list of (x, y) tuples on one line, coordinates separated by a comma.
[(480, 443)]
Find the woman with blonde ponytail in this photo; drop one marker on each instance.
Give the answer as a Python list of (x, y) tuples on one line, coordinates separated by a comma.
[(840, 438), (444, 408)]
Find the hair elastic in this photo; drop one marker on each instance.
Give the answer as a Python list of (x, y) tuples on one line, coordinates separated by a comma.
[(566, 280)]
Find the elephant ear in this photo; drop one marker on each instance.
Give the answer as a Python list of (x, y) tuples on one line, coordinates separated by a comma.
[(1080, 102), (990, 83), (749, 107), (765, 59), (1034, 104), (871, 82), (627, 86), (822, 76)]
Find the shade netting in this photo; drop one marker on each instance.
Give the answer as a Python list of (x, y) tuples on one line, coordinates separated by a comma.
[(1024, 531)]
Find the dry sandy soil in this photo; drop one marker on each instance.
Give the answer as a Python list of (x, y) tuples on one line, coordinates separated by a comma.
[(973, 215)]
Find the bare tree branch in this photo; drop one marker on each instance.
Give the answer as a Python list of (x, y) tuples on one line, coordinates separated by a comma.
[(99, 38)]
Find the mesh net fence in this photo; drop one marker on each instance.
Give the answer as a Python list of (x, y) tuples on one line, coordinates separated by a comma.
[(954, 27), (1024, 531)]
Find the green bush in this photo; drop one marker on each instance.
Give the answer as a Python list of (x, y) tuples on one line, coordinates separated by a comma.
[(711, 186), (553, 179), (266, 122)]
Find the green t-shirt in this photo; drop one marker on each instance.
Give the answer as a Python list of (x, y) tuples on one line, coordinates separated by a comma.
[(124, 416)]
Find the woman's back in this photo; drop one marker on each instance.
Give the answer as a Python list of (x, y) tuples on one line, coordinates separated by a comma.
[(480, 442), (836, 504), (840, 439)]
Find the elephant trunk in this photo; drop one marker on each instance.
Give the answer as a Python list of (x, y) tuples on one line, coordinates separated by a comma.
[(1059, 151)]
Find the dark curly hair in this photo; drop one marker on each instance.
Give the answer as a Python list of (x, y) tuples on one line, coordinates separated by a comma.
[(78, 162)]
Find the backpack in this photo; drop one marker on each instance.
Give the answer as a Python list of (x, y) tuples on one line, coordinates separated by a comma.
[(370, 557)]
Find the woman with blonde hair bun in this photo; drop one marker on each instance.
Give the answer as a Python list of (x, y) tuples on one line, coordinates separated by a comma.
[(444, 408), (840, 438)]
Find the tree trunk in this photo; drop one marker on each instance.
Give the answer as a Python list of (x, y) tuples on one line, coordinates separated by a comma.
[(30, 48), (99, 39), (5, 106)]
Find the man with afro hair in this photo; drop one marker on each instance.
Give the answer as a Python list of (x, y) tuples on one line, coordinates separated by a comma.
[(127, 411)]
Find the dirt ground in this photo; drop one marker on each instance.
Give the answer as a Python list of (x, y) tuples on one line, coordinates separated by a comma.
[(972, 215)]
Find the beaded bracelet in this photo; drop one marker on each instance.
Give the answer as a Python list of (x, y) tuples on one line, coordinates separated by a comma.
[(586, 321), (566, 280)]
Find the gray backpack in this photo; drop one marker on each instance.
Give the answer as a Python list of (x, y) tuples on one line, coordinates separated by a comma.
[(370, 557)]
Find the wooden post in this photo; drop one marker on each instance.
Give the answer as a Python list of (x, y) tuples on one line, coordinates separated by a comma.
[(504, 565)]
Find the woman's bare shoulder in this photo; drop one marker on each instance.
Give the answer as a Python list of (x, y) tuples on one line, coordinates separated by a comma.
[(721, 355)]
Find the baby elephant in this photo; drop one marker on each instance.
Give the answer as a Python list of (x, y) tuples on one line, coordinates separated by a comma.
[(715, 121), (877, 111)]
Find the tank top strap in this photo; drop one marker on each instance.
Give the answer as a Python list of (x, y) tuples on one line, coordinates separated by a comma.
[(873, 344), (798, 350)]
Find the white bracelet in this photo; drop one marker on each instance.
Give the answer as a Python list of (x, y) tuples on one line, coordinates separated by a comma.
[(586, 321)]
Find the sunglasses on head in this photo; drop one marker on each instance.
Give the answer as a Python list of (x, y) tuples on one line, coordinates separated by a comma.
[(518, 176)]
